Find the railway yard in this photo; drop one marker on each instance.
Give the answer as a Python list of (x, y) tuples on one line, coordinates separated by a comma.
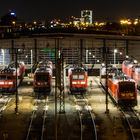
[(70, 86), (86, 117)]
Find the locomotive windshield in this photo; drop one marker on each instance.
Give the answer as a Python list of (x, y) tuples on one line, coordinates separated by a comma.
[(81, 77), (5, 77), (74, 77), (78, 77), (127, 87), (42, 78)]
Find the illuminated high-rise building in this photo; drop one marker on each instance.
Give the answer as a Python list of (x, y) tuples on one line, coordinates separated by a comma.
[(9, 19), (86, 16)]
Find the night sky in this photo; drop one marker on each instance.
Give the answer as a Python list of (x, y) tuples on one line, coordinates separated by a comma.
[(50, 9)]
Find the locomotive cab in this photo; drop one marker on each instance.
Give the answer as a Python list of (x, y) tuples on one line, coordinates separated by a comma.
[(43, 77), (123, 91), (8, 77), (78, 80), (127, 93)]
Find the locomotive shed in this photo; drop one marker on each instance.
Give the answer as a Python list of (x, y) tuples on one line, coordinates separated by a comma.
[(65, 124)]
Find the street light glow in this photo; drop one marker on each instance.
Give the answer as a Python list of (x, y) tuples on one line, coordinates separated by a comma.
[(89, 53), (3, 58), (135, 61), (103, 64), (115, 51)]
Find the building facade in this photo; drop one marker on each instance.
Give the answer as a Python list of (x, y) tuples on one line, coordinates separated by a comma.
[(86, 16)]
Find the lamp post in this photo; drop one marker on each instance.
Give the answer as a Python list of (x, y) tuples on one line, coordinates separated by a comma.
[(26, 59), (126, 56), (94, 58), (106, 86), (31, 60), (106, 77), (115, 51), (16, 91), (86, 56), (16, 51), (3, 57)]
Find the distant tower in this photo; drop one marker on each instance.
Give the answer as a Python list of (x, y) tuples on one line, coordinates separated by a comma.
[(9, 18), (86, 16)]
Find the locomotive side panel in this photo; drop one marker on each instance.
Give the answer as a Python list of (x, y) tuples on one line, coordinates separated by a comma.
[(113, 89)]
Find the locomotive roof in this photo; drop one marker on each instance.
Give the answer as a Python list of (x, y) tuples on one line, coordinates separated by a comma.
[(137, 68), (121, 78), (129, 62), (116, 81), (43, 69), (7, 70), (13, 64), (45, 64), (110, 70), (78, 69)]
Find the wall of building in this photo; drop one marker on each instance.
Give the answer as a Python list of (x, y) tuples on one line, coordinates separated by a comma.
[(44, 48)]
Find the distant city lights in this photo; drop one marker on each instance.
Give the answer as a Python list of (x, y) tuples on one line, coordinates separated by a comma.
[(12, 14)]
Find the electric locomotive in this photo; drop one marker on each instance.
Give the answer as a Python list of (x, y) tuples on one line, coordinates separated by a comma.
[(43, 77), (78, 79), (127, 67), (136, 75), (9, 76), (122, 89), (132, 70)]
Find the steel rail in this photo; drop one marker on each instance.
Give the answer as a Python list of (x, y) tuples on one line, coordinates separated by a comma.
[(32, 120), (80, 112)]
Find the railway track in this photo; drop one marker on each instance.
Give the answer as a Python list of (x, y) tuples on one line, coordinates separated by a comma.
[(4, 100), (87, 123), (132, 120), (36, 127)]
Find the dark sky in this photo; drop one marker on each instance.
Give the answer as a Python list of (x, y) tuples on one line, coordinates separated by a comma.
[(50, 9)]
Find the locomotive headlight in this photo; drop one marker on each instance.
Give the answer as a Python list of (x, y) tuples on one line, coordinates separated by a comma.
[(78, 107), (131, 94), (122, 94), (74, 82), (38, 83), (10, 83), (1, 83), (82, 82)]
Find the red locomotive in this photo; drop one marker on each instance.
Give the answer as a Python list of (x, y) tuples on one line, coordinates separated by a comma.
[(132, 70), (78, 78), (127, 67), (122, 89), (8, 77), (43, 77), (136, 75)]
